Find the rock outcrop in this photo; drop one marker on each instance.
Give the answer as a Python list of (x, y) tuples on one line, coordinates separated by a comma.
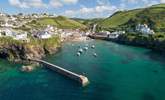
[(24, 51)]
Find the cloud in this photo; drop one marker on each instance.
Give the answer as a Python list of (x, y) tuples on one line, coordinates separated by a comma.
[(103, 2), (70, 1), (17, 3), (40, 3), (162, 1), (61, 3), (27, 3), (55, 3), (125, 4), (102, 9), (87, 12)]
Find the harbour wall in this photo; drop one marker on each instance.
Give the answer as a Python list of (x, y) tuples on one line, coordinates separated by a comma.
[(79, 78)]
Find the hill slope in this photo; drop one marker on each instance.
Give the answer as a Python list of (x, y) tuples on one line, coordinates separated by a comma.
[(154, 16), (60, 22)]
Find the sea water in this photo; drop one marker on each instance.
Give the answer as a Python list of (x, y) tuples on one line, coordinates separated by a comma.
[(119, 72)]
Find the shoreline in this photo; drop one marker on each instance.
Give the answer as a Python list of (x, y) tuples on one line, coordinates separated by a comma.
[(154, 45), (21, 54)]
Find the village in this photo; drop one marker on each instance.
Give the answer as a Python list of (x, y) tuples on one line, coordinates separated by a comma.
[(9, 24), (142, 29)]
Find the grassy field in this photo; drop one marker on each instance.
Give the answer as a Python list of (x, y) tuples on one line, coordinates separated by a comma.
[(153, 16), (119, 18), (60, 22)]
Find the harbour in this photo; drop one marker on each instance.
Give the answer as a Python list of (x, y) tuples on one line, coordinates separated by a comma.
[(119, 72)]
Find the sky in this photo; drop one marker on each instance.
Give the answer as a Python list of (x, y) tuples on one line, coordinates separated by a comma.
[(73, 8)]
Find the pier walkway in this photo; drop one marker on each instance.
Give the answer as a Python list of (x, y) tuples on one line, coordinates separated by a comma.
[(79, 78)]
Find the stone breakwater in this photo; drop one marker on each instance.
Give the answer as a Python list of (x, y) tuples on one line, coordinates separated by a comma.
[(79, 78)]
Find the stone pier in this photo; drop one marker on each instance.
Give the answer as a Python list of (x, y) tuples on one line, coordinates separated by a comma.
[(79, 78)]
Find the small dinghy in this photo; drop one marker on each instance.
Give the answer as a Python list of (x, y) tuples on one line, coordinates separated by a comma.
[(94, 54), (85, 48), (93, 46), (78, 54), (86, 45), (27, 68), (80, 50)]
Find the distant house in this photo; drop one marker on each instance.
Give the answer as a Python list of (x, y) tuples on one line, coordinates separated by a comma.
[(49, 28), (22, 36), (13, 18), (102, 33), (8, 32), (67, 32), (144, 29), (43, 35), (52, 30), (87, 33), (116, 34), (2, 14), (6, 25)]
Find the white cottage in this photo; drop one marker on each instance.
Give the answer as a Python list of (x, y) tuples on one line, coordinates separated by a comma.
[(116, 34), (7, 25), (51, 29), (22, 36), (2, 14), (103, 33), (144, 29), (8, 32), (44, 35)]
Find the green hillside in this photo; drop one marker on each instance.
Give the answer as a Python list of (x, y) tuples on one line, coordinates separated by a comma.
[(119, 18), (60, 22), (154, 16), (88, 22)]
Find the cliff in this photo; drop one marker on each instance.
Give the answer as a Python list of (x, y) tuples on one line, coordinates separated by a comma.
[(35, 49), (151, 42)]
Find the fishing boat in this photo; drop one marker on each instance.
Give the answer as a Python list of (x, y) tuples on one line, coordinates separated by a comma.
[(93, 46), (78, 54), (80, 50), (94, 54), (86, 45), (85, 48)]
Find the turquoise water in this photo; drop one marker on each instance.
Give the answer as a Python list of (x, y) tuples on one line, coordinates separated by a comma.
[(118, 73)]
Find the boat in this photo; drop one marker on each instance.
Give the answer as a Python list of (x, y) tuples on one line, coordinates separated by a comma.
[(86, 45), (93, 46), (80, 50), (85, 48), (78, 54), (94, 54), (27, 68)]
